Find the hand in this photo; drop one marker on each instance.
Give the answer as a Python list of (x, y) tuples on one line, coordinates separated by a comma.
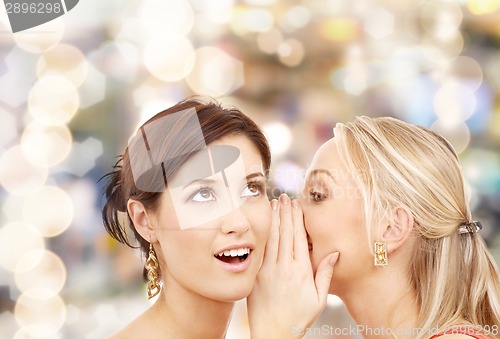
[(286, 297)]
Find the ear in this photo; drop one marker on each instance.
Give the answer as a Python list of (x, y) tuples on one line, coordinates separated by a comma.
[(399, 228), (143, 221)]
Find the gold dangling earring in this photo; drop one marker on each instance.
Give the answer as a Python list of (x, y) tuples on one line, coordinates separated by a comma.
[(152, 268), (380, 253)]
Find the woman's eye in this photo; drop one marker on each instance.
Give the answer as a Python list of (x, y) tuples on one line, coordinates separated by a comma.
[(203, 195), (317, 196), (251, 190)]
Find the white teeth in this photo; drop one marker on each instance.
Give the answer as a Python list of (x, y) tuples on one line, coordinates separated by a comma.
[(235, 252)]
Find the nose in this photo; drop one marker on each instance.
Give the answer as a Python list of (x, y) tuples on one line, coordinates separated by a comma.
[(235, 222)]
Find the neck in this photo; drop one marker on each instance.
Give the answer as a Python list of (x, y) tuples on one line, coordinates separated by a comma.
[(377, 307), (180, 311)]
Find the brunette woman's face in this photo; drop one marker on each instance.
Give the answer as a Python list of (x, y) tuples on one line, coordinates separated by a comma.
[(212, 229)]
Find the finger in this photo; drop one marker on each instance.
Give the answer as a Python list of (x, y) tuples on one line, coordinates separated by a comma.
[(300, 247), (285, 251), (273, 240), (324, 277)]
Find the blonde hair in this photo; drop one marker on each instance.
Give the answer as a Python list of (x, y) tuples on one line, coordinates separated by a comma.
[(453, 275)]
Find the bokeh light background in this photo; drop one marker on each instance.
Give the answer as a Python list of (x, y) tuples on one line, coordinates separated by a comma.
[(73, 90)]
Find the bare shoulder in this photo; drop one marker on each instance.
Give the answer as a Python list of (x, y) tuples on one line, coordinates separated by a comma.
[(130, 331), (136, 329)]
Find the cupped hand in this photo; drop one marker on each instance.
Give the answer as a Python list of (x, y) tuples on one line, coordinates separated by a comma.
[(287, 297)]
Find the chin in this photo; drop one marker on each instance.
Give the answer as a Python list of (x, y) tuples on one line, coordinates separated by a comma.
[(233, 293)]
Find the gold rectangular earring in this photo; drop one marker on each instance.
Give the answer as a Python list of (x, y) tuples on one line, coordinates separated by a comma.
[(380, 253)]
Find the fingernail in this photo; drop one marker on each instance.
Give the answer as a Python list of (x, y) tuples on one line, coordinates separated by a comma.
[(333, 258), (295, 204), (274, 204), (284, 199)]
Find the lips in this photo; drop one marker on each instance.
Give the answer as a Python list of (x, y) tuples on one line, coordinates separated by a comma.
[(233, 255), (235, 258)]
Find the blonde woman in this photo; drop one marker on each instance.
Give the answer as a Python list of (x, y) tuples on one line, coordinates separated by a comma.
[(390, 232)]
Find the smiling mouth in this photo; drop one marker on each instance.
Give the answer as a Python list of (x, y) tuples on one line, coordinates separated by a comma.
[(233, 256)]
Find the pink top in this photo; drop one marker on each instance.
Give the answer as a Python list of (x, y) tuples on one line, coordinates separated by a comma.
[(469, 331)]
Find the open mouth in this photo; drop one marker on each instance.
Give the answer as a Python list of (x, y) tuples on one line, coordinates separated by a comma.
[(233, 256)]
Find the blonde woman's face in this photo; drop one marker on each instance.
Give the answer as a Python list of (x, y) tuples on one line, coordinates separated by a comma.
[(333, 211), (212, 229)]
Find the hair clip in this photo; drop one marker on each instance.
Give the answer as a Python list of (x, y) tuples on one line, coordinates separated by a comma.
[(470, 227)]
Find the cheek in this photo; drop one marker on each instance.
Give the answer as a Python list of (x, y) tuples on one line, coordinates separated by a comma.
[(317, 221), (259, 217)]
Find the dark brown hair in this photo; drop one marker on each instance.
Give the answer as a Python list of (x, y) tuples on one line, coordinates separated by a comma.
[(215, 122)]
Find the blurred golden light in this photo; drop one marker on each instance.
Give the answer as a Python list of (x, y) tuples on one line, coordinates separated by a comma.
[(218, 11), (64, 60), (93, 88), (270, 40), (8, 128), (39, 313), (339, 29), (457, 134), (454, 102), (53, 100), (450, 47), (493, 71), (260, 2), (49, 272), (18, 175), (28, 332), (466, 70), (49, 210), (355, 81), (291, 52), (46, 145), (41, 38), (12, 207), (296, 17), (17, 239), (480, 7), (215, 73), (379, 23), (494, 126), (118, 59), (166, 17), (169, 57), (245, 20), (258, 20), (279, 137), (355, 77), (441, 19), (150, 108)]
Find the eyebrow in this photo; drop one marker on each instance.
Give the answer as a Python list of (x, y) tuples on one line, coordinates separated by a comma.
[(255, 175), (201, 181), (321, 171), (212, 181)]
